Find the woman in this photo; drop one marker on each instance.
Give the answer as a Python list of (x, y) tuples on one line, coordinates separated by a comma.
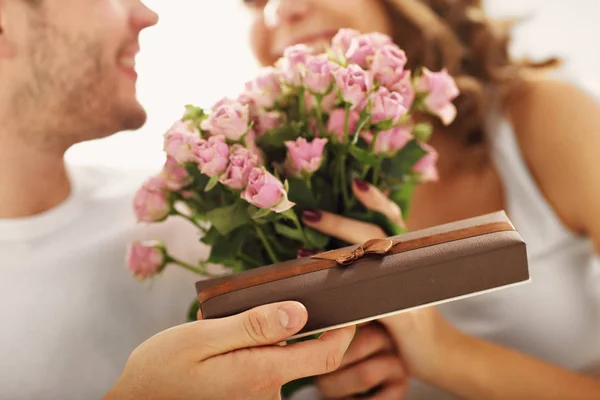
[(522, 143)]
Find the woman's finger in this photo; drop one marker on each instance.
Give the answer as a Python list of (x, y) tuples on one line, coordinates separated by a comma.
[(369, 340), (395, 391), (346, 229), (374, 199), (362, 377)]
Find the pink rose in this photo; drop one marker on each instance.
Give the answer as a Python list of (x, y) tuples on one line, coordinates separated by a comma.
[(442, 90), (355, 84), (293, 64), (266, 191), (342, 40), (231, 119), (241, 162), (389, 141), (265, 89), (305, 158), (150, 202), (267, 121), (176, 176), (145, 259), (405, 88), (387, 105), (179, 141), (426, 167), (212, 155), (319, 73), (363, 48), (337, 121), (388, 64)]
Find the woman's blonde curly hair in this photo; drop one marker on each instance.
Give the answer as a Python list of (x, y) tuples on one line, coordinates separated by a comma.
[(457, 35)]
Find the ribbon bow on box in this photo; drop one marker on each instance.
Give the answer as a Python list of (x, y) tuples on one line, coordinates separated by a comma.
[(373, 246)]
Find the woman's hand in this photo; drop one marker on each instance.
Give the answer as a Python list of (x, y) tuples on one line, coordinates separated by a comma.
[(230, 358), (418, 334), (353, 231), (371, 362), (435, 352)]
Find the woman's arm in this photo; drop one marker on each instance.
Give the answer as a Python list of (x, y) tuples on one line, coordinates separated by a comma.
[(476, 369), (558, 129), (439, 354)]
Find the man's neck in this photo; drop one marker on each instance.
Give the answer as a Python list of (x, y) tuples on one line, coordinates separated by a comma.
[(31, 181)]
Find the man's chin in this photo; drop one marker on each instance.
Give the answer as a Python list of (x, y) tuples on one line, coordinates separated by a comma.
[(132, 118)]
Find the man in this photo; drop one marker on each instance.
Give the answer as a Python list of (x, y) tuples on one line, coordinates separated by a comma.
[(71, 313)]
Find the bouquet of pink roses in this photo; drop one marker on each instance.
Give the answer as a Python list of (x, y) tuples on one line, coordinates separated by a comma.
[(294, 140)]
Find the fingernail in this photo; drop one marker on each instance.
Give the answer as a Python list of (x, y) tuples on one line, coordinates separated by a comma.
[(305, 253), (312, 216), (361, 185), (290, 316)]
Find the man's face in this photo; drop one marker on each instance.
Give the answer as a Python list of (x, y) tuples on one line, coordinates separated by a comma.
[(70, 72)]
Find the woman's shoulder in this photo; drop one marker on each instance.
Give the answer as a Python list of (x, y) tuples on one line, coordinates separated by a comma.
[(557, 127)]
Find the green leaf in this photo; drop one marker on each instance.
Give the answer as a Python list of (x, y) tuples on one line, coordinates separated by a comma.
[(301, 195), (225, 248), (403, 196), (290, 214), (364, 156), (385, 125), (317, 239), (401, 164), (211, 183), (211, 236), (292, 387), (289, 232), (193, 311), (277, 136), (261, 213), (228, 218)]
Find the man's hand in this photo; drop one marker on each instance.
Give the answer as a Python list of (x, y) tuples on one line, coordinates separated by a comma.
[(230, 358), (370, 362)]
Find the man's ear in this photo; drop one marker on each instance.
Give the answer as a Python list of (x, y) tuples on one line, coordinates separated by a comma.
[(6, 48)]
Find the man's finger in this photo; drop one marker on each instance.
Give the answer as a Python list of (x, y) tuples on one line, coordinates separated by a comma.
[(374, 199), (313, 357), (346, 229), (370, 340), (362, 377), (261, 326)]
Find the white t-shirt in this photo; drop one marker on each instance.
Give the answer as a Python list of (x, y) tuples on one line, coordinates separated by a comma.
[(70, 311)]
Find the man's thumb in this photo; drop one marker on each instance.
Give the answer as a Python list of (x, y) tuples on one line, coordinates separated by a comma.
[(261, 326)]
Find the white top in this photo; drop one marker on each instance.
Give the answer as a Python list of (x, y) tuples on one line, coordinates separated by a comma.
[(70, 311), (556, 316)]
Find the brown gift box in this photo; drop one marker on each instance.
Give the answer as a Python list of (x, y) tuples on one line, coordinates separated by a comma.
[(382, 277)]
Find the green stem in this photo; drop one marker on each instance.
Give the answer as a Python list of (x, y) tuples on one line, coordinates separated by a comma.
[(347, 123), (376, 170), (249, 260), (204, 230), (301, 106), (299, 228), (320, 115), (189, 267), (308, 183), (265, 242), (343, 181), (365, 172)]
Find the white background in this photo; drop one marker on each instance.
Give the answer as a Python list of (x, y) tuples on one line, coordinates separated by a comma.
[(198, 53)]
